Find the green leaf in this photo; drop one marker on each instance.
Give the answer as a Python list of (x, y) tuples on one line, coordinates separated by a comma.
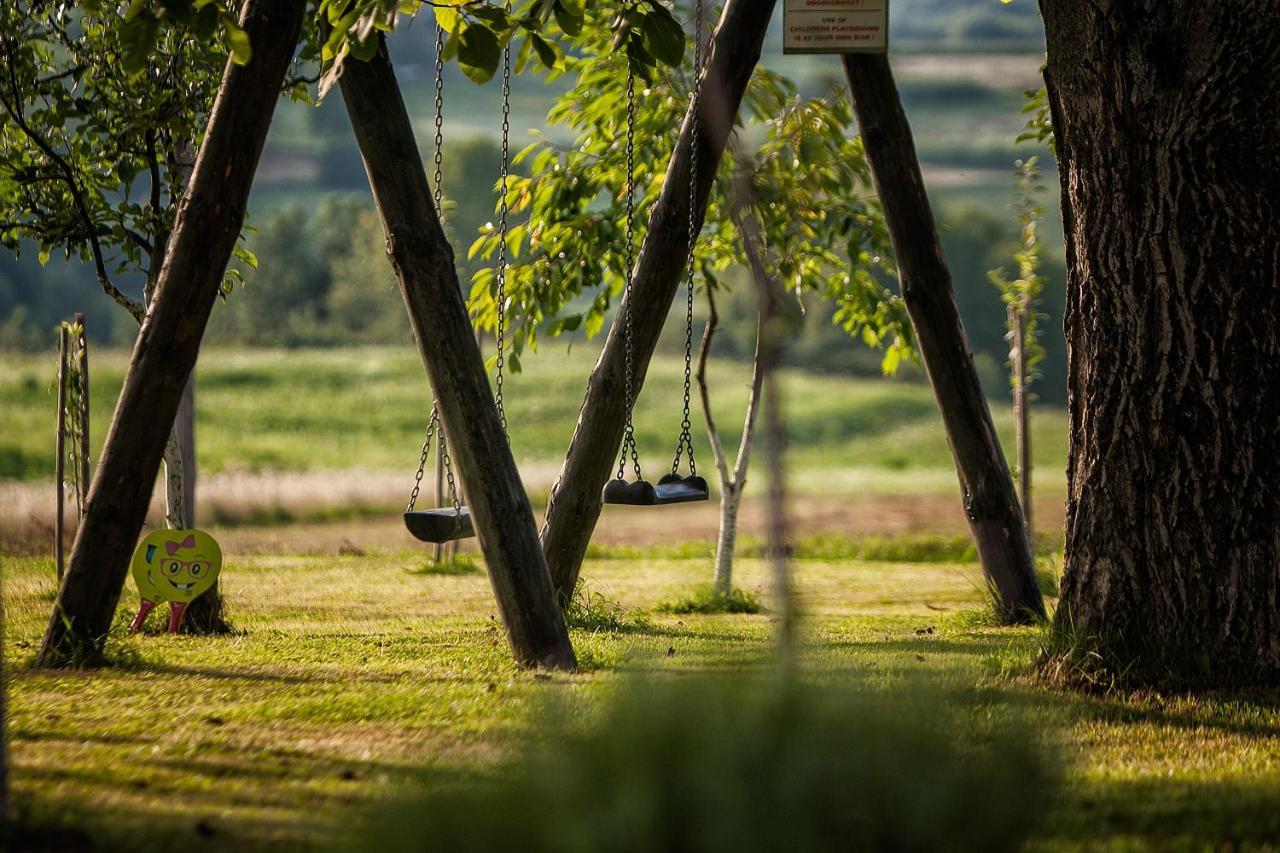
[(206, 22), (137, 39), (479, 52), (364, 49), (663, 36), (570, 16), (546, 51), (237, 41)]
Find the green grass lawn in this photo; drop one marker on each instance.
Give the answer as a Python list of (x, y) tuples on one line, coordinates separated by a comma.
[(352, 674), (301, 410)]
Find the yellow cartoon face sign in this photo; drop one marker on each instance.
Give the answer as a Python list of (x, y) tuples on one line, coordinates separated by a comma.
[(175, 566)]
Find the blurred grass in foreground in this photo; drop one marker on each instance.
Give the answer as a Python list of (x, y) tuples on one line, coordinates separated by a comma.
[(709, 764)]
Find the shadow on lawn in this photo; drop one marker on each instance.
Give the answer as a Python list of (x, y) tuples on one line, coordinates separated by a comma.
[(177, 801), (1168, 814)]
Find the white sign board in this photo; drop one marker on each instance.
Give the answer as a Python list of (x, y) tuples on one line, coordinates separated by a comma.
[(835, 26)]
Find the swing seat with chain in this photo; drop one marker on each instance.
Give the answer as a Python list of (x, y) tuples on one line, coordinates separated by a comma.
[(672, 488), (440, 524)]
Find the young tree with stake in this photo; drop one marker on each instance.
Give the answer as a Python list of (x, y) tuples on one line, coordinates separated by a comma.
[(1021, 297)]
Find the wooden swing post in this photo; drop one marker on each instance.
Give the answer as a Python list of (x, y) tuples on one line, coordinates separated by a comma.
[(424, 268)]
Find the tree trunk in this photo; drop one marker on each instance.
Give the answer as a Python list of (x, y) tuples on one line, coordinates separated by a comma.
[(1165, 117), (574, 504), (207, 226), (732, 484), (424, 267), (769, 343), (990, 500)]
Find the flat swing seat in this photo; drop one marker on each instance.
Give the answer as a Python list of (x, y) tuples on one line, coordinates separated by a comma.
[(671, 489), (441, 524)]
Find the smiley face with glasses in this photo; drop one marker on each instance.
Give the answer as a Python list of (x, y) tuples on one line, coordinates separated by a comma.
[(176, 566)]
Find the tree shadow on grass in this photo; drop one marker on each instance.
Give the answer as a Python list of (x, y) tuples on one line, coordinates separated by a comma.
[(182, 802), (1168, 814)]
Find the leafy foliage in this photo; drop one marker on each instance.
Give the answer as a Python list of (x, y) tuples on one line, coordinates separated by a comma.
[(1022, 294), (93, 153), (810, 189), (1039, 128)]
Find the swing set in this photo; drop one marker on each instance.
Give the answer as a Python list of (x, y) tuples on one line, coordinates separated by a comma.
[(452, 521)]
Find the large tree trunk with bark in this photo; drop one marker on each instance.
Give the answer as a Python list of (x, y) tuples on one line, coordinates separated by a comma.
[(207, 226), (423, 262), (1166, 115), (990, 500), (574, 504)]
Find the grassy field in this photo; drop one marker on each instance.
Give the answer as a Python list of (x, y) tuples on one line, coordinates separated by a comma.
[(335, 410), (355, 675)]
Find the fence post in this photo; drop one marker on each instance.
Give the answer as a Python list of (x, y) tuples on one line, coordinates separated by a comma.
[(60, 460)]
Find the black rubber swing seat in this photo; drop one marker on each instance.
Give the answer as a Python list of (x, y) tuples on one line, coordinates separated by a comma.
[(441, 524), (671, 489)]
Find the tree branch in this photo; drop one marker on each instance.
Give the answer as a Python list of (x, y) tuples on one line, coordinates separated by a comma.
[(713, 433), (68, 176)]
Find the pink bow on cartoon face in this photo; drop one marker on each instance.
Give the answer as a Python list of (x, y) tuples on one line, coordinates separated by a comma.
[(172, 547)]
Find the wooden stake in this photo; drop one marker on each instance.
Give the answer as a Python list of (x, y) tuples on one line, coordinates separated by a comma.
[(60, 456)]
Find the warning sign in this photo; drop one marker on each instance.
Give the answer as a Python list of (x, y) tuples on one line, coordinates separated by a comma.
[(835, 26)]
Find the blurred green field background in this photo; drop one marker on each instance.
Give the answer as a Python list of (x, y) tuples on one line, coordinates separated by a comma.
[(339, 409)]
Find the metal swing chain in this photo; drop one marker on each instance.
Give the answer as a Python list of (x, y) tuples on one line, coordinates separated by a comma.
[(422, 462), (685, 442), (448, 473), (503, 210), (433, 420), (629, 433)]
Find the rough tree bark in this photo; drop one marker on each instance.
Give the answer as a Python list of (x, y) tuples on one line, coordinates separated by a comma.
[(423, 262), (1166, 115), (990, 500), (208, 223), (574, 504)]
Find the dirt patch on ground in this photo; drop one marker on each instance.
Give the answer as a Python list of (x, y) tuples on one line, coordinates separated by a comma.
[(856, 517), (293, 509)]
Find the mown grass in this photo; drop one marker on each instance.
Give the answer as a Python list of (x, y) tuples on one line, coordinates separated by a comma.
[(354, 672), (303, 410)]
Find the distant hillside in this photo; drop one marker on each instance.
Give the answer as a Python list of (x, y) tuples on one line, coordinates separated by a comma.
[(964, 25), (959, 26)]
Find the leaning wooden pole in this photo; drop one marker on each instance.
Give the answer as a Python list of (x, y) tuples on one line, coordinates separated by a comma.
[(574, 504), (423, 262), (204, 234), (990, 500)]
